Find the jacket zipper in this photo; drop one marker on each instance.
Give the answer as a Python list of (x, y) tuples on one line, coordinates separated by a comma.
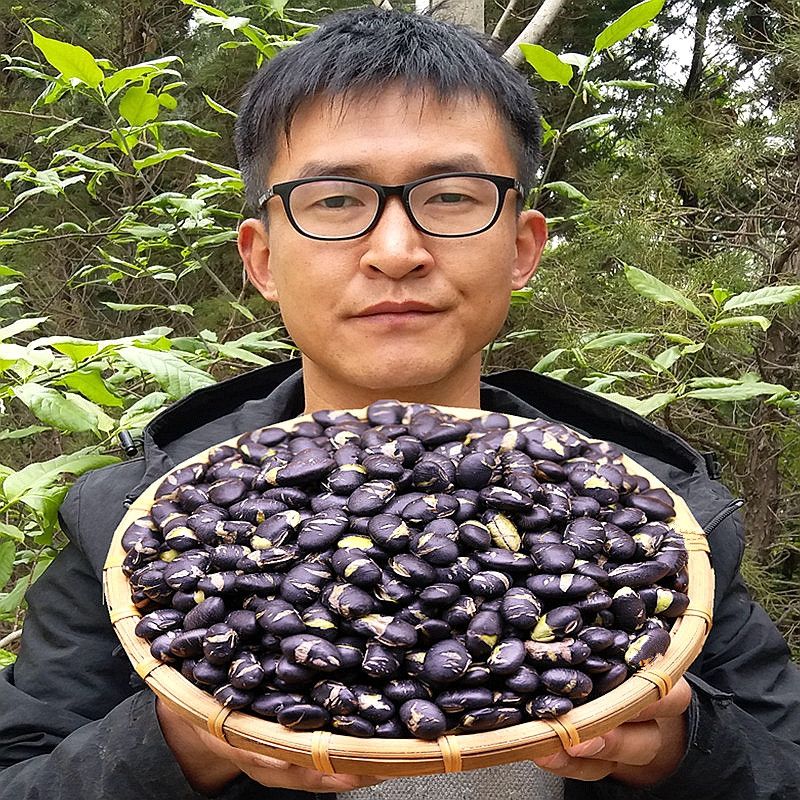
[(721, 516)]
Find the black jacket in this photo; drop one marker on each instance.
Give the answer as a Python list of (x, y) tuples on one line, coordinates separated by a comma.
[(76, 722)]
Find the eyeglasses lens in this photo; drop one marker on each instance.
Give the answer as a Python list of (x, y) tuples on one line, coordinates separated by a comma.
[(454, 206)]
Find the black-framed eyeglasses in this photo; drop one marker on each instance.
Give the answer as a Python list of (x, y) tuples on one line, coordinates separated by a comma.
[(454, 204)]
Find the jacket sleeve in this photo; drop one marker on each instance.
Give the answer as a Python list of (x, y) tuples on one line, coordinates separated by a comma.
[(71, 723), (744, 719)]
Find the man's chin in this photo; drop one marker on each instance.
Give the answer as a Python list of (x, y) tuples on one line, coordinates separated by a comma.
[(390, 376)]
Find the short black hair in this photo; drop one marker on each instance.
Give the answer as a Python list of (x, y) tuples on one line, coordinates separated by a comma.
[(365, 51)]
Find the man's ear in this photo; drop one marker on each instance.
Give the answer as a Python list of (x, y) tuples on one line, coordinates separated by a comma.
[(531, 239), (253, 243)]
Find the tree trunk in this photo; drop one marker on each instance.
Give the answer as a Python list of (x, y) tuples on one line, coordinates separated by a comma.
[(694, 81), (505, 16), (534, 30), (461, 12)]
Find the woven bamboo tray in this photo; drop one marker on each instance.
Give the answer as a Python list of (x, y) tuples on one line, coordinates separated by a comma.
[(337, 753)]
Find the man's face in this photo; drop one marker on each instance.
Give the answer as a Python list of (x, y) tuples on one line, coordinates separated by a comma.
[(457, 289)]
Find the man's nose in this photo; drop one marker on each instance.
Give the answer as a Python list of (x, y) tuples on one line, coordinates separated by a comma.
[(395, 247)]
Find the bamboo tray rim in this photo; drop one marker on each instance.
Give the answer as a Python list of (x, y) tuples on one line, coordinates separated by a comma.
[(337, 753)]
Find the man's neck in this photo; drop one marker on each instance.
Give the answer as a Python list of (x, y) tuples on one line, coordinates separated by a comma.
[(460, 390)]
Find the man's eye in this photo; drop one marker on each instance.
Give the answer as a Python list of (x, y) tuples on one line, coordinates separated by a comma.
[(339, 201), (448, 198)]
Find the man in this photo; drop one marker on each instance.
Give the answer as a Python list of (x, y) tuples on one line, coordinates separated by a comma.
[(388, 155)]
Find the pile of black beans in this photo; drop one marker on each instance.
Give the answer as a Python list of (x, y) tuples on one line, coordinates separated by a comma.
[(411, 574)]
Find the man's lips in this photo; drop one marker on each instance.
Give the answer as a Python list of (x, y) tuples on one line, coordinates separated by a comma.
[(407, 307)]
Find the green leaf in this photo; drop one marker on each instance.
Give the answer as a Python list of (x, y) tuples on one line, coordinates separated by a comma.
[(102, 423), (576, 59), (22, 433), (547, 360), (768, 296), (623, 84), (7, 658), (15, 352), (223, 20), (276, 6), (124, 142), (216, 238), (678, 338), (645, 407), (567, 190), (719, 294), (177, 377), (167, 101), (590, 122), (218, 107), (158, 158), (43, 474), (7, 553), (738, 322), (71, 61), (12, 601), (76, 349), (136, 72), (243, 310), (20, 325), (138, 106), (8, 272), (143, 410), (82, 160), (189, 128), (649, 286), (708, 381), (55, 409), (46, 134), (180, 308), (599, 383), (559, 374), (144, 231), (617, 340), (11, 532), (91, 385), (667, 358), (521, 297), (632, 20), (240, 354), (547, 64), (741, 390)]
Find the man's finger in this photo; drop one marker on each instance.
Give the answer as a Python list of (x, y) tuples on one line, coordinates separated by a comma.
[(634, 744), (582, 769), (308, 780), (673, 705)]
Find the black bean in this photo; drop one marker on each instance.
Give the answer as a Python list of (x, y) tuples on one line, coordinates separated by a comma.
[(646, 648), (507, 657), (423, 718), (571, 683), (446, 662), (157, 622), (303, 717)]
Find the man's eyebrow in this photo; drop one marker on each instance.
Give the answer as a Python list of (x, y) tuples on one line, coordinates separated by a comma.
[(313, 169), (464, 163)]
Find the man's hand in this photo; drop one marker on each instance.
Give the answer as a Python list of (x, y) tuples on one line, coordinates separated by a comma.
[(210, 764), (638, 753)]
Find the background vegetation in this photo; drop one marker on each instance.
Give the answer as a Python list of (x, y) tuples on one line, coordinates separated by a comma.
[(671, 181)]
